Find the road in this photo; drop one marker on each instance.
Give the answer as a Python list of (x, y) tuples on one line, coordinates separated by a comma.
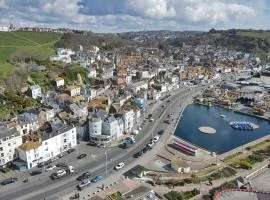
[(46, 188)]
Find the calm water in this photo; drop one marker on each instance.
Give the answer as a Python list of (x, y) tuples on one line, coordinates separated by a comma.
[(226, 138)]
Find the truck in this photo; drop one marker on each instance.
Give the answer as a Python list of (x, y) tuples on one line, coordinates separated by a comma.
[(62, 172)]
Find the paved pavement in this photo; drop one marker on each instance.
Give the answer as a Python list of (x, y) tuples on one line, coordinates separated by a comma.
[(42, 187)]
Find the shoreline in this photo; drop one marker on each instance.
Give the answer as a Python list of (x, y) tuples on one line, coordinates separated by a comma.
[(234, 110), (237, 149)]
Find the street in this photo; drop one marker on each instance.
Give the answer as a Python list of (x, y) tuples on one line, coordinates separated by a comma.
[(46, 188)]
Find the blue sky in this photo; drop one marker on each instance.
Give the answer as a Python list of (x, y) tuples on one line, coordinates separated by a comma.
[(136, 15)]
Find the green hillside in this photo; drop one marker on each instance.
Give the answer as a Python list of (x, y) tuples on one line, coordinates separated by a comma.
[(11, 42)]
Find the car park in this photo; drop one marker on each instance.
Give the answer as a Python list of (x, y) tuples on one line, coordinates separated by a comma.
[(8, 181), (119, 166), (36, 172), (156, 138), (97, 178), (84, 183), (85, 175), (50, 167), (82, 156)]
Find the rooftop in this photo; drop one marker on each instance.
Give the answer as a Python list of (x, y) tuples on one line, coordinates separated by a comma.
[(30, 145)]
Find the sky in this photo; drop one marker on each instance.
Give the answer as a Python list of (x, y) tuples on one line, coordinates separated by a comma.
[(137, 15)]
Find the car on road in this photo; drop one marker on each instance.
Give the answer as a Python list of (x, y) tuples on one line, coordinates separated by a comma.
[(8, 181), (85, 175), (50, 167), (151, 120), (146, 148), (58, 174), (138, 154), (161, 132), (156, 138), (82, 156), (70, 150), (36, 172), (84, 183), (97, 178), (151, 143), (61, 165), (119, 166), (167, 121), (91, 143)]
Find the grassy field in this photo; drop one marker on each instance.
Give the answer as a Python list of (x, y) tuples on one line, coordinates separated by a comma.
[(255, 34), (10, 42)]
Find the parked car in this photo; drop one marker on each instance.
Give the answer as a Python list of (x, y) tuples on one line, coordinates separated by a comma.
[(119, 166), (50, 167), (91, 143), (61, 165), (8, 181), (82, 156), (85, 175), (97, 178), (151, 143), (71, 150), (161, 132), (83, 184), (61, 155), (138, 154), (36, 172), (156, 138)]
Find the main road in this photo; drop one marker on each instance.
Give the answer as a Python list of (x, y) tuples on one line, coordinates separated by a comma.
[(45, 188)]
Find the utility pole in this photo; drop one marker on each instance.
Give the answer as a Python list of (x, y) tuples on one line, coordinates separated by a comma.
[(106, 158)]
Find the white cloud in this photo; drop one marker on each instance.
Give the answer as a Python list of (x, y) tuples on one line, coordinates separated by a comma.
[(106, 15), (206, 11)]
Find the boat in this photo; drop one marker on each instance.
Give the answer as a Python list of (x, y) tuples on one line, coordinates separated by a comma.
[(241, 125), (222, 116)]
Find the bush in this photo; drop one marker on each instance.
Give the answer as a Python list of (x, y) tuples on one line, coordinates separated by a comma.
[(255, 158), (242, 164), (213, 191), (174, 195)]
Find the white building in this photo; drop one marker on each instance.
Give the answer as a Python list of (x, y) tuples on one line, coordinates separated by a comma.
[(62, 138), (95, 126), (136, 87), (59, 82), (112, 127), (35, 91), (4, 29), (10, 139), (74, 90), (128, 118), (92, 73)]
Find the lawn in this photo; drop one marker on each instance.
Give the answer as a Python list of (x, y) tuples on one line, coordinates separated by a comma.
[(10, 42)]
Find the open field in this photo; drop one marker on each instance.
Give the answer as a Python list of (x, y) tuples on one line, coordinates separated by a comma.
[(10, 42)]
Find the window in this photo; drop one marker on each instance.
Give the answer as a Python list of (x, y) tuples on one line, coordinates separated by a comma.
[(10, 150), (73, 130), (65, 140), (14, 142), (1, 148), (46, 149), (2, 154), (46, 143), (9, 144), (64, 135), (10, 157)]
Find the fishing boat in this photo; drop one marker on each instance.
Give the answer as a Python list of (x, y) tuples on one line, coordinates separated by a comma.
[(222, 116)]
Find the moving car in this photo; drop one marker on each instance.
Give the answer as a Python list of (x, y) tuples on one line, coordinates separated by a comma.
[(62, 172), (36, 172), (50, 167), (8, 181), (156, 138), (138, 154), (119, 166), (82, 156), (61, 165), (83, 184), (97, 178), (85, 175)]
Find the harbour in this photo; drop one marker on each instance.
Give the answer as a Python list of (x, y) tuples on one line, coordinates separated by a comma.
[(226, 137)]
